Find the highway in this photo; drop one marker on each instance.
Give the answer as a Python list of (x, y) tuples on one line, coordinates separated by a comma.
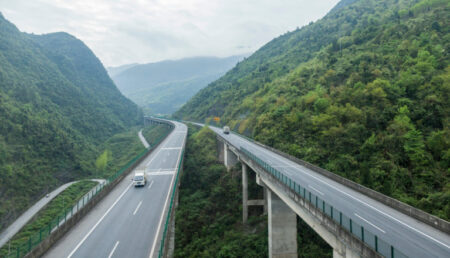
[(410, 236), (128, 221)]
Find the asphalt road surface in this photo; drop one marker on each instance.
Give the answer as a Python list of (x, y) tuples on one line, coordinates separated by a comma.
[(410, 236), (143, 140), (128, 221)]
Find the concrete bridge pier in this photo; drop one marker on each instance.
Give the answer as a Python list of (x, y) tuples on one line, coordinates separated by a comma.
[(244, 193), (245, 201), (264, 201), (230, 159), (220, 151), (282, 228)]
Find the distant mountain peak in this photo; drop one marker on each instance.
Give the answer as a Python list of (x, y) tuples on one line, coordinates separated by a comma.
[(165, 86)]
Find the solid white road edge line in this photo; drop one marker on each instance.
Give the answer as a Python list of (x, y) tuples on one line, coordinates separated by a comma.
[(161, 218), (165, 205), (114, 249), (98, 222), (137, 208), (368, 205), (370, 223)]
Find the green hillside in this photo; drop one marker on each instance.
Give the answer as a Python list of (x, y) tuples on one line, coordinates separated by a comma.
[(163, 87), (57, 106), (363, 92)]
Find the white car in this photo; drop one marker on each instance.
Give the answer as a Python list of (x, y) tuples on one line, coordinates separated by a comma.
[(139, 179), (226, 130)]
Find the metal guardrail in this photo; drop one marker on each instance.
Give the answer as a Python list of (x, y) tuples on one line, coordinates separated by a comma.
[(372, 240), (47, 230), (172, 198)]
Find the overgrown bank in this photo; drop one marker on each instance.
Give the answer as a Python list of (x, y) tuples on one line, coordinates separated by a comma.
[(209, 215), (123, 147), (153, 133), (118, 151)]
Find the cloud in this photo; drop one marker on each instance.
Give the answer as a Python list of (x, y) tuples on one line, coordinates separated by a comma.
[(130, 31)]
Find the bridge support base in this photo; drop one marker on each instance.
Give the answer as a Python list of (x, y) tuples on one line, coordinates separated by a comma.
[(282, 228)]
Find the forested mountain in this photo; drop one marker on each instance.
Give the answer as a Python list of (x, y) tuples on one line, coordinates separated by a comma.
[(165, 86), (363, 92), (57, 104)]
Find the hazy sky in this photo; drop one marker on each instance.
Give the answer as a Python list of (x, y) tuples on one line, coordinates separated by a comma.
[(140, 31)]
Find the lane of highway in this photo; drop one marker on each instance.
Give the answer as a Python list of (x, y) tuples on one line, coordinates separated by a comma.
[(409, 235), (128, 220)]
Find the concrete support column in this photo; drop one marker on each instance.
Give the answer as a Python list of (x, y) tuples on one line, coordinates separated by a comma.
[(229, 157), (225, 155), (336, 254), (244, 193), (265, 190), (282, 228), (220, 151), (259, 182)]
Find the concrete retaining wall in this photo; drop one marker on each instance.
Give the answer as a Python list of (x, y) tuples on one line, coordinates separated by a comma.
[(40, 249)]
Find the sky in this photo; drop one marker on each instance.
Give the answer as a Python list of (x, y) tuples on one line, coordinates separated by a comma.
[(142, 31)]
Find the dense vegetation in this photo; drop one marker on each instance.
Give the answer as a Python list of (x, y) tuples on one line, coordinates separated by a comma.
[(208, 217), (117, 152), (363, 92), (154, 133), (209, 214), (54, 208), (57, 107), (163, 87)]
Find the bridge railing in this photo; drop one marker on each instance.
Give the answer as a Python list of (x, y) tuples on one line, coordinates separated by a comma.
[(169, 213), (35, 239), (372, 240)]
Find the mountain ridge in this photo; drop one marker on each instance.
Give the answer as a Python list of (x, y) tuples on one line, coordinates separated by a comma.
[(362, 92), (57, 105)]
